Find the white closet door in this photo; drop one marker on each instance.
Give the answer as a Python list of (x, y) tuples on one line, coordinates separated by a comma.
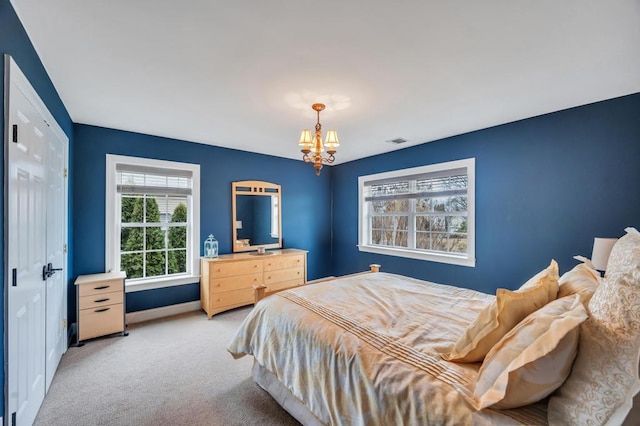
[(36, 217), (27, 255), (56, 333)]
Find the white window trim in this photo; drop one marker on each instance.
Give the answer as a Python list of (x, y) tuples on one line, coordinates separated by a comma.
[(112, 218), (451, 258)]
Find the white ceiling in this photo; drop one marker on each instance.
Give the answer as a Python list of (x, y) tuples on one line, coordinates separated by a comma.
[(243, 74)]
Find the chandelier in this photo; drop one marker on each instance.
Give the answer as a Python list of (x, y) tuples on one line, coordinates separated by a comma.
[(312, 147)]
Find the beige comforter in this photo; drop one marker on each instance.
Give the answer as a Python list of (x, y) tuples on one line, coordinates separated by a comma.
[(363, 350)]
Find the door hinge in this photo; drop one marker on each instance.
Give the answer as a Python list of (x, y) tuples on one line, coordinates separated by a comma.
[(15, 133), (65, 172), (14, 277), (64, 324), (64, 248), (13, 419)]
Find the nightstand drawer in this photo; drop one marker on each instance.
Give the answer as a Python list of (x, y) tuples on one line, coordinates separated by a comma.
[(100, 321), (101, 299), (283, 275), (227, 269), (100, 287)]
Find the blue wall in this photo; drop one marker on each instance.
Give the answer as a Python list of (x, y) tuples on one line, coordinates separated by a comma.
[(15, 42), (545, 187), (306, 204)]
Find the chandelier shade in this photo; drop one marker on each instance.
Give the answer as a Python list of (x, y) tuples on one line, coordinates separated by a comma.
[(312, 147), (332, 140), (305, 139)]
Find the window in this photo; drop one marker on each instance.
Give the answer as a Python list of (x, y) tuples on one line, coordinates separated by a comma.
[(422, 213), (152, 221)]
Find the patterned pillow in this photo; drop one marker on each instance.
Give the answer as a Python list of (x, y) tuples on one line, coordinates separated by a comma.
[(533, 359), (604, 378), (509, 308), (583, 280)]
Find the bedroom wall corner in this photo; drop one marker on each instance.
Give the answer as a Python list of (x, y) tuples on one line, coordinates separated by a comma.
[(545, 186)]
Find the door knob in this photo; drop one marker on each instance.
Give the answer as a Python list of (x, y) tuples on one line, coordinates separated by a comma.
[(48, 270), (52, 270)]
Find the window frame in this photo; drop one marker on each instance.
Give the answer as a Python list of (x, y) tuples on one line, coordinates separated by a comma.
[(467, 259), (112, 222)]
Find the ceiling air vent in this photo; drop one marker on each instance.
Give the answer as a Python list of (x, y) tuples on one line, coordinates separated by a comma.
[(397, 141)]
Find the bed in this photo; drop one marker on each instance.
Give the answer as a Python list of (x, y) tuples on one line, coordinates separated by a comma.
[(380, 349)]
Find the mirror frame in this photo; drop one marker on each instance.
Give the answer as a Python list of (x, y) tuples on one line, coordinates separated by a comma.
[(258, 189)]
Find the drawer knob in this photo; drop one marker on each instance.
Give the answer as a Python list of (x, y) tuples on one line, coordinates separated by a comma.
[(101, 300), (102, 310), (101, 287)]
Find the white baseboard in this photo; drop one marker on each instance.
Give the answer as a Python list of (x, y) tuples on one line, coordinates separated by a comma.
[(165, 311)]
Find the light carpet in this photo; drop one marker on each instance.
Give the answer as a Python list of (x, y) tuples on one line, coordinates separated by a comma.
[(172, 371)]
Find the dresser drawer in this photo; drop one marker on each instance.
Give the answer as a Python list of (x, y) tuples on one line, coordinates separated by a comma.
[(272, 277), (101, 299), (100, 287), (283, 262), (285, 284), (235, 297), (228, 269), (218, 285), (100, 321)]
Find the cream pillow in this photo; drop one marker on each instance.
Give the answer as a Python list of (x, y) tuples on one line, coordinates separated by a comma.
[(547, 278), (509, 308), (582, 280), (533, 359), (604, 378)]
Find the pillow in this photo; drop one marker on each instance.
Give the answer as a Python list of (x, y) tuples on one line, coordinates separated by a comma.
[(582, 280), (533, 359), (604, 378), (509, 308), (547, 278)]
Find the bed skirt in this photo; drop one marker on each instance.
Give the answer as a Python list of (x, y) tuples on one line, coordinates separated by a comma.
[(283, 396)]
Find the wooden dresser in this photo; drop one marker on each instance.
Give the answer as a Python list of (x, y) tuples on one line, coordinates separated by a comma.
[(226, 282), (101, 304)]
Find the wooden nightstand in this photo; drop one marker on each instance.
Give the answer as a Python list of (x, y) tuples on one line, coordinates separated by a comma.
[(101, 305)]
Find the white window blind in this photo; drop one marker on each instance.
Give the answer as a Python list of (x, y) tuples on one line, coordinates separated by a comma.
[(134, 179)]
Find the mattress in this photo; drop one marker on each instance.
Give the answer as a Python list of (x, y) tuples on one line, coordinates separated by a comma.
[(365, 350)]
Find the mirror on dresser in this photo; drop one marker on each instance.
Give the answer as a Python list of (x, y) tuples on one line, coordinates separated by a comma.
[(256, 215)]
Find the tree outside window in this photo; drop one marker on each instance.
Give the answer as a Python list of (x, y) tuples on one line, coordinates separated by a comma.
[(151, 246)]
